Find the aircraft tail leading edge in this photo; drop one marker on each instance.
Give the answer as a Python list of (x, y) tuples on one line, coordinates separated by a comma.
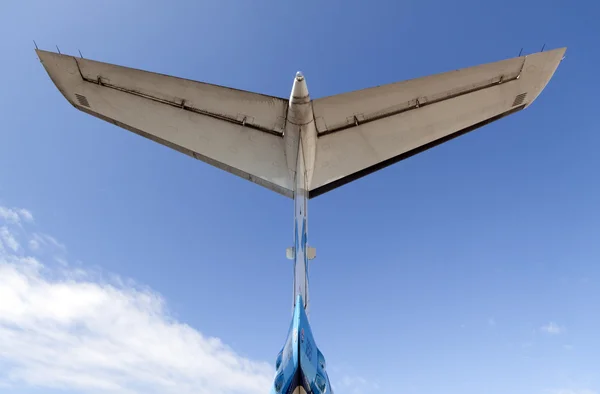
[(298, 147)]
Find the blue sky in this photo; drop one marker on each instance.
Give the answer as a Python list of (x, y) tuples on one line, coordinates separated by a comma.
[(470, 268)]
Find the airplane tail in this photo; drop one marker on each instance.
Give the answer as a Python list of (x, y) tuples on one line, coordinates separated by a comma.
[(298, 147), (357, 133)]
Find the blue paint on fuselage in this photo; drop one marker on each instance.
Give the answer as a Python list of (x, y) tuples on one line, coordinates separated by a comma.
[(302, 364), (304, 237)]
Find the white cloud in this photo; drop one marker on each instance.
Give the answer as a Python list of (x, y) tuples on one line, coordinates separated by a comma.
[(34, 245), (568, 347), (355, 384), (9, 215), (552, 328), (48, 241), (26, 215), (8, 239), (60, 328), (491, 322), (14, 215)]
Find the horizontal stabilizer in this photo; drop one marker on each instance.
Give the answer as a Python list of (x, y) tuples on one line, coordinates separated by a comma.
[(363, 131), (238, 131), (357, 132)]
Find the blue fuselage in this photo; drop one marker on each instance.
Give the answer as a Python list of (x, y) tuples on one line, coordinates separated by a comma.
[(300, 365)]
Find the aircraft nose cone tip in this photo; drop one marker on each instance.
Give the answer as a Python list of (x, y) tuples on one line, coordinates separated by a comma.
[(299, 76)]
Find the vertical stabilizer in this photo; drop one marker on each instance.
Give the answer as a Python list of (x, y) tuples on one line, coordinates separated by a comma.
[(300, 142)]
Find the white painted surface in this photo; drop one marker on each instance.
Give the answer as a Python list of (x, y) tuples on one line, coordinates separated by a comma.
[(365, 143), (259, 137), (250, 153)]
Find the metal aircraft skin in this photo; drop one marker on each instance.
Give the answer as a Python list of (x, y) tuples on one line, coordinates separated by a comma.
[(300, 147)]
